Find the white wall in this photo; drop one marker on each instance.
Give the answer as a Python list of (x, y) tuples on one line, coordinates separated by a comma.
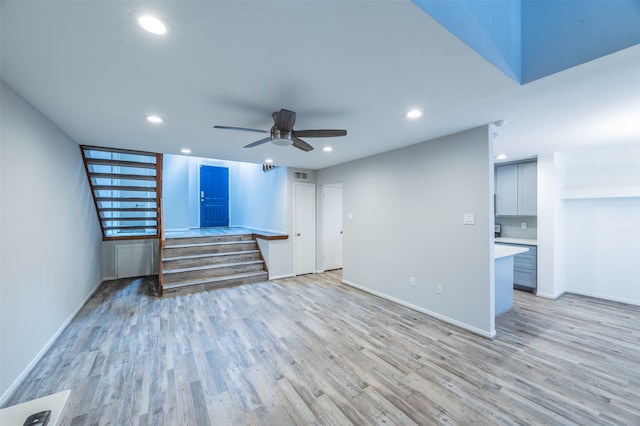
[(552, 226), (408, 208), (603, 233), (261, 198), (50, 240)]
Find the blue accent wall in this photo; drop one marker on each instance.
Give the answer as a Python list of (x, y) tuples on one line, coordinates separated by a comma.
[(531, 39)]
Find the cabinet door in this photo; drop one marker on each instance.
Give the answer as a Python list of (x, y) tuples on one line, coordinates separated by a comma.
[(528, 189), (507, 190)]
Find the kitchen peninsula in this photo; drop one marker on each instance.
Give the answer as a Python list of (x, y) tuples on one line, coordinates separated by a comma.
[(503, 256)]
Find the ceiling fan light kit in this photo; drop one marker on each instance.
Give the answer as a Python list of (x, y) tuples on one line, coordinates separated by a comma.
[(282, 133)]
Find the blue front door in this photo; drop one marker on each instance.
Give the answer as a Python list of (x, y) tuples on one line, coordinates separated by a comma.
[(214, 196)]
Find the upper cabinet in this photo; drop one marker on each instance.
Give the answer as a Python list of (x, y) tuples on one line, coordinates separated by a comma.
[(517, 189)]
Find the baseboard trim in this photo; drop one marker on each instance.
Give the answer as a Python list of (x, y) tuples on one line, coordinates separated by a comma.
[(475, 330), (605, 297), (277, 277), (18, 381), (549, 296)]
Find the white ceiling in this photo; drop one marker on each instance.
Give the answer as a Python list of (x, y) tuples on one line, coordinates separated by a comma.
[(349, 65)]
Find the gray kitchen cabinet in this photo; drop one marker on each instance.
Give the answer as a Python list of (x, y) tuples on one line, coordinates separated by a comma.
[(517, 189), (525, 269)]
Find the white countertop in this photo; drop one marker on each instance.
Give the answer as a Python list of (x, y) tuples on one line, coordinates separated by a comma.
[(504, 251), (509, 240)]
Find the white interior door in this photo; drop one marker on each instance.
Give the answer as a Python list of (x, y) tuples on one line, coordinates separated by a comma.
[(304, 200), (332, 227)]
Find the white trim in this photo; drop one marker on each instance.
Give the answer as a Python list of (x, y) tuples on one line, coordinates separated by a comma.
[(277, 277), (11, 389), (440, 317), (548, 296), (605, 297)]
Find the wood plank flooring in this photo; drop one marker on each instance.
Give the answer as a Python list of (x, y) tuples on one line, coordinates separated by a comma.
[(310, 350)]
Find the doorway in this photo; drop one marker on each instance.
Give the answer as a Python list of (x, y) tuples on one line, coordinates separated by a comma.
[(332, 226), (304, 228), (214, 196)]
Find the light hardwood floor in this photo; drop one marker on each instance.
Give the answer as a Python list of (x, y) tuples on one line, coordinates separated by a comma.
[(310, 350)]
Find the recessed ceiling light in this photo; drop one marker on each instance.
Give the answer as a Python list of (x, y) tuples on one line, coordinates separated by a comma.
[(152, 24), (501, 157), (327, 149), (154, 119), (414, 113), (185, 151), (268, 161)]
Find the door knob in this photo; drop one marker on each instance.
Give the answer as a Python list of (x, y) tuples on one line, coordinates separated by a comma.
[(298, 234)]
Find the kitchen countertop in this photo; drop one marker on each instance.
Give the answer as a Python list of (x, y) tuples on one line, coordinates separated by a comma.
[(509, 240), (501, 251)]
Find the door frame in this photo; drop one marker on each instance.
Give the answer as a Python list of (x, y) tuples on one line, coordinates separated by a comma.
[(295, 230)]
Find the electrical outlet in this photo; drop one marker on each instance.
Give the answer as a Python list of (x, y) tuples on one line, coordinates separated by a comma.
[(412, 281), (523, 225), (439, 288)]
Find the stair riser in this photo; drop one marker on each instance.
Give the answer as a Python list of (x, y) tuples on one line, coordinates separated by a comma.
[(193, 250), (212, 260), (212, 239), (210, 286), (209, 273)]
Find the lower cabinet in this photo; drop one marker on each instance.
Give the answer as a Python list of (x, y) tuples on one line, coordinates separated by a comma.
[(525, 270)]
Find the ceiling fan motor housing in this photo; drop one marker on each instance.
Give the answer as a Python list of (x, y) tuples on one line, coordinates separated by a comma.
[(280, 138)]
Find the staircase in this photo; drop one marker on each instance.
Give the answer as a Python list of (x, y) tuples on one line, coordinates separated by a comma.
[(206, 262), (126, 187)]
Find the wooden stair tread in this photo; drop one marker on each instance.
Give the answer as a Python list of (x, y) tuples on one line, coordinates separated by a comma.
[(214, 266), (121, 176), (201, 256), (121, 163), (213, 243), (214, 280)]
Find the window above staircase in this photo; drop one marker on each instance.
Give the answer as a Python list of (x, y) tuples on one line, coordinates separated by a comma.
[(127, 190)]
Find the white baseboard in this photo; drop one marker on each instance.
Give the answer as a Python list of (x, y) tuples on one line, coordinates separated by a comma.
[(45, 348), (605, 297), (277, 277), (444, 318), (549, 296)]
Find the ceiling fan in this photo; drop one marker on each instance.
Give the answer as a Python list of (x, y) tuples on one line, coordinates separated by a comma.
[(282, 132)]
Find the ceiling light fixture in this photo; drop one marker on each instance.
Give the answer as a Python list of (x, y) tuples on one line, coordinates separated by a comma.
[(268, 161), (327, 149), (501, 157), (152, 24), (414, 113), (185, 151), (154, 119)]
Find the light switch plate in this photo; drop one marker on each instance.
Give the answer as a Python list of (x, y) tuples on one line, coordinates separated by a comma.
[(469, 219)]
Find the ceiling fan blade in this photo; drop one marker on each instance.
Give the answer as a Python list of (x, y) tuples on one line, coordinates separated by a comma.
[(300, 144), (244, 129), (327, 133), (260, 142), (284, 120)]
